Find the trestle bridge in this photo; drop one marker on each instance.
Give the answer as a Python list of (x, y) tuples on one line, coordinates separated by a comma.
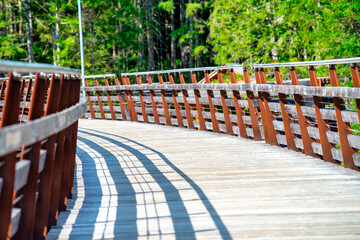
[(201, 153)]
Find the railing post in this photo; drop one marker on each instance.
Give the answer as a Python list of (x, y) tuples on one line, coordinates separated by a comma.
[(111, 105), (226, 110), (240, 112), (253, 112), (43, 202), (153, 103), (90, 103), (100, 103), (321, 123), (213, 109), (343, 128), (165, 105), (177, 106), (270, 117), (59, 155), (131, 104), (303, 121), (27, 221), (287, 118), (122, 104), (356, 83), (189, 118), (199, 107), (65, 178), (27, 96), (10, 115), (74, 138), (142, 103)]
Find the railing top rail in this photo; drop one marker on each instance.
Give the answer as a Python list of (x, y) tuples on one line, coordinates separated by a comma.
[(15, 136), (101, 76), (310, 63), (24, 67), (26, 77), (183, 70)]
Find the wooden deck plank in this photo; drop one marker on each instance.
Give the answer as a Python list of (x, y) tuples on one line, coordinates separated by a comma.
[(142, 181)]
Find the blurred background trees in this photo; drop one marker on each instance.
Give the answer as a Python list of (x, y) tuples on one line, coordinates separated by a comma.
[(137, 35)]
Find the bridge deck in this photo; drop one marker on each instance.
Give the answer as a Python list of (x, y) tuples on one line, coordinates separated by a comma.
[(155, 182)]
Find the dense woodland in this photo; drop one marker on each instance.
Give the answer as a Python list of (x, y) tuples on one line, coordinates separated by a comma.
[(129, 35)]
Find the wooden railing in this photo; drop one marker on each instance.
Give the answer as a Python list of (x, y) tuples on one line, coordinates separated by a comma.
[(38, 135), (312, 118)]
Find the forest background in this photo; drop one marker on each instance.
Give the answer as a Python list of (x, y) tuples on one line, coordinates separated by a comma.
[(137, 35)]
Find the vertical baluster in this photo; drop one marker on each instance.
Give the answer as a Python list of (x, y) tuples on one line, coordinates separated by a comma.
[(10, 115), (240, 112), (226, 110), (111, 105), (356, 83), (287, 118), (343, 128), (199, 107), (323, 125), (253, 112), (65, 178), (131, 104), (142, 103), (262, 108), (43, 202), (189, 118), (59, 155), (153, 103), (121, 101), (100, 103), (27, 98), (213, 109), (270, 117), (177, 106), (90, 103), (165, 105), (2, 91), (74, 138), (28, 206), (303, 121)]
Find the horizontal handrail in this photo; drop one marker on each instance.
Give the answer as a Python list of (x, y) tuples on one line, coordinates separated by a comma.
[(100, 76), (344, 92), (24, 67), (184, 70), (14, 137), (309, 63)]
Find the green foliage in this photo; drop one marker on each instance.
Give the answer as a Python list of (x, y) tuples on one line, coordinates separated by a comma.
[(297, 30), (167, 6)]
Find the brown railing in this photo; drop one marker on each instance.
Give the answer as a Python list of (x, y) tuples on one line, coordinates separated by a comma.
[(38, 135), (303, 115)]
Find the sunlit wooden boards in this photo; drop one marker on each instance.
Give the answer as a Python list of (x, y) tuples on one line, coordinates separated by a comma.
[(188, 184)]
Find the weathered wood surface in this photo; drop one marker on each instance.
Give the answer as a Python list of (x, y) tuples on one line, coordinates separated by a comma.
[(143, 181)]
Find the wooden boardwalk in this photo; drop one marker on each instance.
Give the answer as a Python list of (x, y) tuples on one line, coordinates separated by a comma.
[(142, 181)]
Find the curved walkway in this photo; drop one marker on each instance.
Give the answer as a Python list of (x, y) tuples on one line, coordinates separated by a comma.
[(142, 181)]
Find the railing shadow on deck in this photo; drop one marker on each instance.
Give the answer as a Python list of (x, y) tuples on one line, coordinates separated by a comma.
[(147, 169)]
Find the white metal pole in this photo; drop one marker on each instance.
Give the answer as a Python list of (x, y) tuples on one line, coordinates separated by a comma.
[(81, 47)]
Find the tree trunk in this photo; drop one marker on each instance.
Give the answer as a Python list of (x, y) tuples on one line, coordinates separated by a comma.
[(21, 24), (56, 37), (173, 41), (141, 54), (182, 46), (3, 15), (29, 32), (150, 40)]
